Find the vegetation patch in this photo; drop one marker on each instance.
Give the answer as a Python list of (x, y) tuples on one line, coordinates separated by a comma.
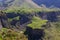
[(37, 23), (8, 34)]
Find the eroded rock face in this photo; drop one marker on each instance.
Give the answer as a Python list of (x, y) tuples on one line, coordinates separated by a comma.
[(25, 19), (0, 25), (50, 16), (3, 20), (5, 3)]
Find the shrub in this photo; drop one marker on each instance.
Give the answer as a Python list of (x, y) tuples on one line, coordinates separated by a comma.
[(8, 34)]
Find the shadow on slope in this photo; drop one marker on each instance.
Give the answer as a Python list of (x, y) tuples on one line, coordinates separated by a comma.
[(34, 34)]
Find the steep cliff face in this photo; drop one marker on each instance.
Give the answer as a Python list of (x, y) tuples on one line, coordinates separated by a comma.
[(24, 19), (19, 22), (0, 24), (5, 3), (50, 16), (3, 20)]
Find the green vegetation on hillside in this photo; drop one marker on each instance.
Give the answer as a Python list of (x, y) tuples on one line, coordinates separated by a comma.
[(8, 34), (37, 23), (24, 10), (15, 18), (51, 32)]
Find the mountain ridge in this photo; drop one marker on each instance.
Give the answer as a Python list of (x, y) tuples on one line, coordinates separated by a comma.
[(6, 4), (18, 3)]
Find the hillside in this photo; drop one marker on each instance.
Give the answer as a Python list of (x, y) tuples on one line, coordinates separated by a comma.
[(18, 3), (25, 20), (38, 24), (25, 3)]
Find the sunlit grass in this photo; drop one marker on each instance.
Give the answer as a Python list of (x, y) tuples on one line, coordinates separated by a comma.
[(37, 23), (24, 10)]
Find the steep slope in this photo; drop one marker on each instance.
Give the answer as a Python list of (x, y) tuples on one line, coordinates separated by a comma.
[(17, 3), (25, 3)]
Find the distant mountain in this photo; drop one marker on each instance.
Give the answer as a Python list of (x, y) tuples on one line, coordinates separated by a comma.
[(18, 3), (29, 3), (48, 3), (5, 3), (25, 3)]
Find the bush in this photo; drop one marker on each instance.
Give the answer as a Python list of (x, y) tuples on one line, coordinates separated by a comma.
[(8, 34)]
